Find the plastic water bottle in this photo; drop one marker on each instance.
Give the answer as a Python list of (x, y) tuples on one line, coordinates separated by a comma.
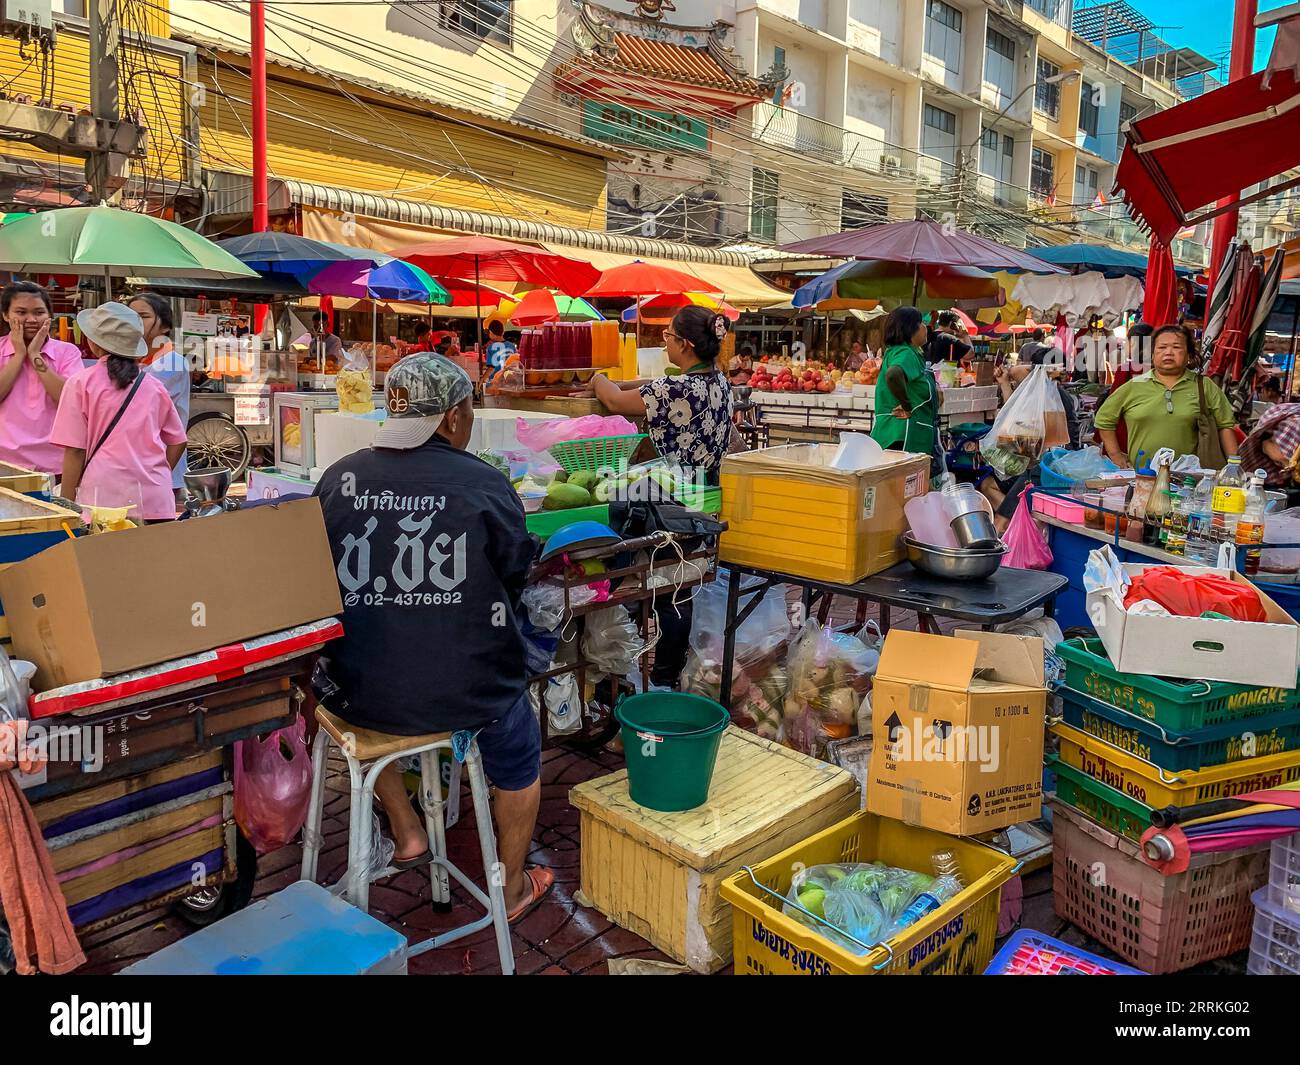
[(1174, 539), (946, 885), (1229, 501), (1250, 528), (1199, 542)]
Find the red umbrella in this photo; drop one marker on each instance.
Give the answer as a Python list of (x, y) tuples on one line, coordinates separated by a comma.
[(1230, 347), (636, 279), (500, 260), (1160, 304), (467, 294), (922, 243)]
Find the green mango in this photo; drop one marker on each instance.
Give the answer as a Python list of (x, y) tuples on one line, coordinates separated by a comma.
[(561, 496), (559, 477), (587, 479)]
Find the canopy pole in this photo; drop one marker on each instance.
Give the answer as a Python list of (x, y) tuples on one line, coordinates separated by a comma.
[(478, 322), (916, 283)]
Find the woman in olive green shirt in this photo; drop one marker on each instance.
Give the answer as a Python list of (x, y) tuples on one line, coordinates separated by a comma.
[(1161, 407), (907, 399)]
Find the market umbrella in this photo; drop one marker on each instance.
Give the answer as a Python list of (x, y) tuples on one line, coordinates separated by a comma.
[(390, 279), (923, 243), (927, 285), (1230, 346), (664, 305), (110, 242), (541, 305), (462, 293), (1160, 303), (1217, 301), (637, 279), (1270, 285), (271, 252), (486, 258)]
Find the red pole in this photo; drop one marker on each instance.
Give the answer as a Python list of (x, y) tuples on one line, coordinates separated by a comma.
[(1240, 66), (257, 71)]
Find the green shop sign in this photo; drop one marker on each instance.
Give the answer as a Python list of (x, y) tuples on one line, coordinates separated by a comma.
[(645, 129)]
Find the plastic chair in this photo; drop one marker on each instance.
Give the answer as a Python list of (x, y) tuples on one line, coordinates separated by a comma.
[(367, 753)]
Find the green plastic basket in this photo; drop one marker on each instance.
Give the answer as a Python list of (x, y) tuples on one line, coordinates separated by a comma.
[(544, 522), (1110, 808), (1176, 704), (598, 453)]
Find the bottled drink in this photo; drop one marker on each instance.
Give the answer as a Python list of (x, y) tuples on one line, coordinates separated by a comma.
[(1250, 528), (946, 885), (1157, 507), (1199, 542), (1175, 531), (1229, 501)]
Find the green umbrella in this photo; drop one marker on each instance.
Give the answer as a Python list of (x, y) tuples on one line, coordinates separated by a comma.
[(111, 242)]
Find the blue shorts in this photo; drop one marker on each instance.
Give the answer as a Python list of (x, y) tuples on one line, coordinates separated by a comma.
[(512, 747)]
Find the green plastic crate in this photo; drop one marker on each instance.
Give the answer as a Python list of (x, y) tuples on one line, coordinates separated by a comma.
[(544, 522), (1110, 808), (1175, 704), (598, 453)]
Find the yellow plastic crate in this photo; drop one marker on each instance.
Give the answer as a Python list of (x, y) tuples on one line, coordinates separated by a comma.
[(787, 510), (1158, 787), (958, 937)]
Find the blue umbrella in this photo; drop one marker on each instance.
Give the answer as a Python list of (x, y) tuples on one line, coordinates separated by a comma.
[(287, 253)]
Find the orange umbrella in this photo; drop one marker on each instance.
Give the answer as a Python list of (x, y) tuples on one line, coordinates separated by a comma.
[(637, 279)]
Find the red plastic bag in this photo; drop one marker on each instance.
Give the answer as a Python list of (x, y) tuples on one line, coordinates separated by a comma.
[(1192, 594), (273, 786), (1026, 545)]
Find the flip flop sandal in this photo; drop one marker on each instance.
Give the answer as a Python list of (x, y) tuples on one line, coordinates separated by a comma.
[(542, 880)]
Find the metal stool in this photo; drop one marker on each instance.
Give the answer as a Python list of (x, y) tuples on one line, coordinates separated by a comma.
[(368, 753)]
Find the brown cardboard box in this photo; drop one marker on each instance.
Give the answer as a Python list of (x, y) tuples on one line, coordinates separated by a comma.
[(787, 509), (958, 725), (113, 602)]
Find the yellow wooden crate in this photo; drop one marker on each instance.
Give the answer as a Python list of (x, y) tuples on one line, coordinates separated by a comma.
[(17, 479), (24, 514), (658, 874), (787, 510)]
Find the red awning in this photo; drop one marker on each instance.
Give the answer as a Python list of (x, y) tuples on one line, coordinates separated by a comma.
[(1179, 161)]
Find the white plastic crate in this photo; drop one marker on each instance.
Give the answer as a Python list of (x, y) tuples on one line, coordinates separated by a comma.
[(1284, 874), (1275, 939)]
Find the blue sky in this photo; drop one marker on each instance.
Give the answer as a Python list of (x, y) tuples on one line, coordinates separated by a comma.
[(1205, 25)]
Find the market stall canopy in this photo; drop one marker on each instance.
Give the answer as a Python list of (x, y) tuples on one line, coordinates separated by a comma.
[(489, 259), (1178, 161), (108, 241), (929, 243), (272, 252), (1113, 262), (638, 278), (899, 282)]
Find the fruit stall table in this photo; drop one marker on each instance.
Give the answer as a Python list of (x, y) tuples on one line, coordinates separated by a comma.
[(1005, 596), (854, 409)]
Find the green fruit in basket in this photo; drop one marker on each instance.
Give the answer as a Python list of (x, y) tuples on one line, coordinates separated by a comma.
[(561, 496), (559, 477), (811, 898), (584, 479)]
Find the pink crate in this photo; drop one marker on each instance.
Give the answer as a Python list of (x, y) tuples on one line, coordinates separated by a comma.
[(1055, 507)]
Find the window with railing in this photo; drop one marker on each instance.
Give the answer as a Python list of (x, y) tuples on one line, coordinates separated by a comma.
[(858, 210), (1042, 174), (943, 34), (764, 190), (1089, 111), (1047, 94), (488, 20)]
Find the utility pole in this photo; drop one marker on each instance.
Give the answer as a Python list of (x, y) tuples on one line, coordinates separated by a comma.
[(105, 37), (257, 72)]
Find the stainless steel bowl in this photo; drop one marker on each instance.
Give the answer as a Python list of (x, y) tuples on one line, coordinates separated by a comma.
[(960, 564)]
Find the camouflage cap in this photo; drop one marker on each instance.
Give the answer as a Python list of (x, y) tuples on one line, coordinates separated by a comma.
[(418, 391)]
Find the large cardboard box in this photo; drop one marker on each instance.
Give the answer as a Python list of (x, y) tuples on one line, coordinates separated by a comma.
[(786, 509), (1257, 653), (658, 874), (109, 603), (958, 723)]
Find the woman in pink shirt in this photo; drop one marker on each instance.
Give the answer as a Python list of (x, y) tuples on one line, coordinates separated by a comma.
[(117, 424), (33, 370)]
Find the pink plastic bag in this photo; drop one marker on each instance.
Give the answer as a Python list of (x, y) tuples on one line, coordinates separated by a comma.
[(273, 786), (541, 435), (1026, 545)]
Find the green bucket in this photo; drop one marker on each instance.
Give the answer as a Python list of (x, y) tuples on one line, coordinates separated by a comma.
[(671, 743)]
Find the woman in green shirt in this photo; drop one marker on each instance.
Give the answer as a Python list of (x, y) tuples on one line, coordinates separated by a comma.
[(907, 398), (1162, 407)]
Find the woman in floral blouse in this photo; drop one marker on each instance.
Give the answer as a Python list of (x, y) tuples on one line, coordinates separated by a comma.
[(688, 417)]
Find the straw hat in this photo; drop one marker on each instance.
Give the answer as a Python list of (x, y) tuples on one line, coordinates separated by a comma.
[(115, 328)]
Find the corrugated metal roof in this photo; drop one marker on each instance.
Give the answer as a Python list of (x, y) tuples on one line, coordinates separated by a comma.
[(680, 63)]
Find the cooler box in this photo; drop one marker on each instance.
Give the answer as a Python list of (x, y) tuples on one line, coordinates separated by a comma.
[(787, 510), (658, 874)]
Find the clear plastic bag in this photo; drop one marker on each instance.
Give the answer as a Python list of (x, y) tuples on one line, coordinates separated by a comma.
[(1281, 528), (542, 435), (273, 786), (1030, 422), (545, 605), (861, 900), (1082, 465), (611, 641), (830, 672)]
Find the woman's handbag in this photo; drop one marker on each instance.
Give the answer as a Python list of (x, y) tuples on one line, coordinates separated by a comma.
[(1209, 448)]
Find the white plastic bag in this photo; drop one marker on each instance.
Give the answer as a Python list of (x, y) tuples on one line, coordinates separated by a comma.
[(564, 703), (1032, 421), (611, 642)]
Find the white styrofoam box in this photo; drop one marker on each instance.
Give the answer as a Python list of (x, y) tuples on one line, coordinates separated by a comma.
[(1256, 653)]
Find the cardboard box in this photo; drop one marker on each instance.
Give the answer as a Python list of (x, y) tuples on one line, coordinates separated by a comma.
[(106, 604), (1266, 654), (787, 510), (958, 725)]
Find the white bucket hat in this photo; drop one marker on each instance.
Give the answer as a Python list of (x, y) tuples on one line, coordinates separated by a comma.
[(115, 328)]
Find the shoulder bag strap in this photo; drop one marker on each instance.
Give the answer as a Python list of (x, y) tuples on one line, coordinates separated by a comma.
[(135, 387)]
